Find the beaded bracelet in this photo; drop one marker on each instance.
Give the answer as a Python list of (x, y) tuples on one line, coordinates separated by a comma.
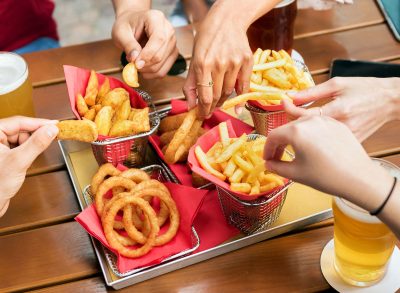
[(379, 209)]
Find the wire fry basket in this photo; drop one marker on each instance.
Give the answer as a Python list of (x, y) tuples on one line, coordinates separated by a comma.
[(159, 173), (264, 121), (130, 150), (253, 215)]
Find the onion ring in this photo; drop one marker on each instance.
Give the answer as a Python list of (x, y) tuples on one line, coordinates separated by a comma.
[(136, 175), (108, 184), (104, 171), (109, 230)]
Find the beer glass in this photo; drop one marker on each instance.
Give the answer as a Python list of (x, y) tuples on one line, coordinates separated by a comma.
[(363, 244), (275, 29), (15, 87)]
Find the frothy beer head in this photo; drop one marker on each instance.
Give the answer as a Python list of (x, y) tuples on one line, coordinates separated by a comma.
[(355, 212), (13, 72)]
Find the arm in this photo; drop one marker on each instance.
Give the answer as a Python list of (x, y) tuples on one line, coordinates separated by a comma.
[(222, 53), (22, 139), (334, 162), (364, 104), (195, 10), (146, 36)]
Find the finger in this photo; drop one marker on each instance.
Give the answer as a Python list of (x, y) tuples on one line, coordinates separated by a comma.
[(160, 69), (161, 56), (277, 140), (243, 77), (218, 80), (229, 84), (324, 90), (190, 89), (26, 153), (14, 125), (124, 38), (205, 93), (285, 169)]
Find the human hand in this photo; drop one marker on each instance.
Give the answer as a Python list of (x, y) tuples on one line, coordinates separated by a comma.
[(329, 158), (148, 39), (222, 56), (364, 104), (22, 139)]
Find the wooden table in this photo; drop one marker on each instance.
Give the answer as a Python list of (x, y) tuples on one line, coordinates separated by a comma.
[(42, 247)]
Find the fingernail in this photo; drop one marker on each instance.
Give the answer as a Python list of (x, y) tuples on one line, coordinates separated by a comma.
[(139, 64), (291, 93), (51, 131), (53, 121), (134, 54)]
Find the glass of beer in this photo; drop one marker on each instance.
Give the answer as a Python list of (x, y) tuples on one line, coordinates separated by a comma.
[(275, 29), (15, 87), (363, 244)]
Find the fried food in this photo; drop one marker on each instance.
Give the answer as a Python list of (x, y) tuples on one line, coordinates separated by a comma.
[(115, 98), (103, 91), (103, 120), (166, 137), (130, 75), (90, 115), (140, 220), (123, 111), (122, 128), (141, 120), (82, 130), (92, 89), (240, 162), (170, 123), (81, 105)]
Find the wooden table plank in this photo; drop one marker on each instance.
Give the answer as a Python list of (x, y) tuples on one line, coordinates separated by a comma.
[(45, 256), (43, 200), (374, 43), (50, 160), (342, 17)]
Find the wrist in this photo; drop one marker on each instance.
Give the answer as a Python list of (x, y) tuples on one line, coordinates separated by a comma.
[(121, 6), (394, 97)]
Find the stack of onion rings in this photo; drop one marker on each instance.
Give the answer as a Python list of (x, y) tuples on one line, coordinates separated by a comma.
[(133, 191)]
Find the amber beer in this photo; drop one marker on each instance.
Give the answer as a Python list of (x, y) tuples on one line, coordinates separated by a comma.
[(363, 244), (15, 87), (275, 29)]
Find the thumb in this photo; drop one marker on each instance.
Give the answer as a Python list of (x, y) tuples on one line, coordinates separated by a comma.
[(125, 39), (282, 168), (39, 141)]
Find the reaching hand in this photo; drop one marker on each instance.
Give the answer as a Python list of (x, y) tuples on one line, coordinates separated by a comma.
[(22, 139), (148, 39)]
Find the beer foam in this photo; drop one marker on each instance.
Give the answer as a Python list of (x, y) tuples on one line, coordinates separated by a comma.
[(283, 3), (355, 212), (13, 72)]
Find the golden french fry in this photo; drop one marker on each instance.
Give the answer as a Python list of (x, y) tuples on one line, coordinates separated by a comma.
[(264, 88), (264, 55), (257, 96), (256, 77), (277, 78), (122, 128), (130, 75), (115, 98), (230, 168), (217, 146), (268, 187), (123, 111), (254, 174), (81, 105), (223, 134), (91, 114), (91, 89), (264, 82), (237, 176), (183, 150), (286, 56), (231, 149), (202, 158), (166, 137), (270, 177), (103, 91), (82, 130), (243, 164), (255, 188), (269, 65), (276, 55), (241, 187), (256, 56), (103, 120), (141, 120)]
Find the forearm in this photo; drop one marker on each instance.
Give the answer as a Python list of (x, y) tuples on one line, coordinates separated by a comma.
[(123, 5), (394, 96), (390, 213), (195, 10), (244, 11)]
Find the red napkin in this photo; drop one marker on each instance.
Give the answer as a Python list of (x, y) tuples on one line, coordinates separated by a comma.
[(188, 201), (271, 108), (182, 170), (206, 141)]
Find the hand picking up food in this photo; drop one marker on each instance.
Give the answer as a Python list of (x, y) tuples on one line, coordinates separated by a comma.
[(240, 162), (108, 109), (132, 193), (274, 73)]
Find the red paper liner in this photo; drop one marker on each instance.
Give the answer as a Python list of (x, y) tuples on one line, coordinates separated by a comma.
[(182, 241), (206, 141), (271, 108), (182, 170), (77, 79)]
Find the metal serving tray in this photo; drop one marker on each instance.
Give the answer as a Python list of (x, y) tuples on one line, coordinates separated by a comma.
[(303, 206)]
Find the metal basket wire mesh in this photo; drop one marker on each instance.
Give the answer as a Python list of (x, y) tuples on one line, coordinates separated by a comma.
[(253, 215), (159, 173), (131, 150)]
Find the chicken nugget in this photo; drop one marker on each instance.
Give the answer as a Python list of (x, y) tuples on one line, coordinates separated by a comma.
[(122, 128), (171, 122), (81, 105), (103, 120), (91, 89), (141, 120), (103, 91), (82, 130), (115, 98)]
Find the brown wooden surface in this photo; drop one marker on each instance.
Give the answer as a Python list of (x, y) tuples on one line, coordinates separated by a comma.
[(59, 257)]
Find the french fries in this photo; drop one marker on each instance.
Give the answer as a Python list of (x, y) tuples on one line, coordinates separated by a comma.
[(274, 73), (240, 162)]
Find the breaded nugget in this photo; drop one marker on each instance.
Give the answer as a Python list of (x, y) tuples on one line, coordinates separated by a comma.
[(82, 130)]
